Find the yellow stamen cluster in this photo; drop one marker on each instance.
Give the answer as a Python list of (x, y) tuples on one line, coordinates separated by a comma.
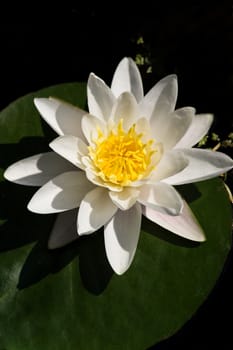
[(121, 157)]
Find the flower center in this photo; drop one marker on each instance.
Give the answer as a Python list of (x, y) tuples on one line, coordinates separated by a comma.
[(122, 157)]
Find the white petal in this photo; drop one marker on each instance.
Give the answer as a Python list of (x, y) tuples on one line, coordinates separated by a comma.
[(64, 192), (203, 164), (90, 127), (64, 230), (95, 210), (170, 128), (197, 130), (172, 162), (127, 78), (121, 236), (69, 146), (125, 199), (161, 197), (184, 225), (161, 99), (37, 170), (125, 108), (100, 98), (63, 117), (143, 128)]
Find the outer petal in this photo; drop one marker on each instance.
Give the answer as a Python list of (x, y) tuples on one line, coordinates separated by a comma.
[(197, 130), (125, 108), (203, 164), (64, 230), (184, 225), (169, 129), (70, 147), (100, 97), (62, 193), (127, 78), (121, 236), (37, 170), (95, 210), (125, 199), (161, 99), (63, 117), (161, 197), (172, 162)]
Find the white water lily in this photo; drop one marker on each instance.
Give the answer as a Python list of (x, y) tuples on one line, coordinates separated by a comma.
[(120, 161)]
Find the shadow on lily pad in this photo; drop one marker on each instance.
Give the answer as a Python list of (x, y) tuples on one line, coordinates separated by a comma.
[(41, 262), (95, 270)]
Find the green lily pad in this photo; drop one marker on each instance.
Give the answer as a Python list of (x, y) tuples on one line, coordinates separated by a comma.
[(70, 298)]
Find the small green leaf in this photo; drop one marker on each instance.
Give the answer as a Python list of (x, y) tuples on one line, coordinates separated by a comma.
[(70, 298)]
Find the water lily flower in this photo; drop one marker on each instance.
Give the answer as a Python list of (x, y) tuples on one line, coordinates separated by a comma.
[(119, 161)]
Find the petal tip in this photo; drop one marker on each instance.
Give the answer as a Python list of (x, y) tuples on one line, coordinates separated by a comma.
[(38, 101), (126, 59), (81, 231), (170, 77), (203, 239), (120, 271), (7, 174), (35, 208), (199, 236), (12, 174), (31, 208), (91, 76)]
